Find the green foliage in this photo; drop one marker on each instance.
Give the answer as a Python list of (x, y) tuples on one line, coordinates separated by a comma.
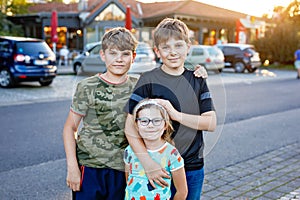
[(8, 28), (280, 42), (18, 7)]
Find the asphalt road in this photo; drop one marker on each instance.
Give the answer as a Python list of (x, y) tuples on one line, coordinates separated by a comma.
[(256, 115)]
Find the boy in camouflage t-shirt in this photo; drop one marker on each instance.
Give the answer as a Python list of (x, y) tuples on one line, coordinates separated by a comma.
[(95, 167)]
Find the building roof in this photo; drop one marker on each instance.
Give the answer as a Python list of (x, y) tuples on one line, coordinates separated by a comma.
[(188, 7), (49, 7), (149, 10)]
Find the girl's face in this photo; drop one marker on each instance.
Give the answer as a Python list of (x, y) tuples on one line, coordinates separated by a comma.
[(117, 62), (151, 124)]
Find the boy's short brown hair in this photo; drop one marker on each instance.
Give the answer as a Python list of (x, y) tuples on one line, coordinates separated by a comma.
[(168, 28), (119, 38)]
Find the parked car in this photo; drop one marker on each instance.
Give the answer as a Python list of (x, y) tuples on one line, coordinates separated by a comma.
[(210, 57), (144, 60), (240, 57), (26, 59), (90, 61)]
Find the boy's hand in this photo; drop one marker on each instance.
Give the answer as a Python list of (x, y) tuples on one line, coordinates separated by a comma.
[(156, 174), (173, 113), (73, 178), (200, 71)]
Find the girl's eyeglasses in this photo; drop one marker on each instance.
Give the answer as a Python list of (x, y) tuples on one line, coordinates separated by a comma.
[(144, 121)]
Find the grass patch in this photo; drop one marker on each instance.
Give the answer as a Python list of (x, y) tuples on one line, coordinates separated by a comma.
[(279, 67)]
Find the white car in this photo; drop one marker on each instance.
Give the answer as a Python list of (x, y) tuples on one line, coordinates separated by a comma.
[(210, 57), (91, 62)]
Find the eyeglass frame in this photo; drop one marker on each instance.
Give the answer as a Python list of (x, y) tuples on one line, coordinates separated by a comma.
[(150, 120)]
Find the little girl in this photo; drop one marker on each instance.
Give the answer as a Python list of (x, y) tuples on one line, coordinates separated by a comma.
[(154, 127)]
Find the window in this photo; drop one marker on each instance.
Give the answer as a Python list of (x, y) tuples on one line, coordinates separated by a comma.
[(4, 46), (96, 50), (111, 13), (197, 52), (231, 50)]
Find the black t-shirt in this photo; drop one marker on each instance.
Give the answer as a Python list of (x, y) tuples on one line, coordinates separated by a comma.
[(188, 94)]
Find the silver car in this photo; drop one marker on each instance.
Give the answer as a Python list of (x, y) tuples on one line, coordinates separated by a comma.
[(210, 57), (91, 62)]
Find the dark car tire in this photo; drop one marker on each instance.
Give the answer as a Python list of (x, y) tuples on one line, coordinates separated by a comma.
[(76, 68), (45, 82), (239, 67), (6, 79), (251, 70)]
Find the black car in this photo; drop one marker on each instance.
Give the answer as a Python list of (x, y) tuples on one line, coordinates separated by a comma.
[(26, 59), (240, 57)]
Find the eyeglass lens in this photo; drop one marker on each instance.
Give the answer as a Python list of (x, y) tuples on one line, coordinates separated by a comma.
[(145, 121)]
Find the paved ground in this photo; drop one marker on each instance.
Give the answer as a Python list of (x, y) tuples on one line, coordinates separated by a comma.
[(273, 175)]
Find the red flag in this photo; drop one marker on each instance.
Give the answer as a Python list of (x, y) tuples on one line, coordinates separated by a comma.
[(128, 23), (54, 37)]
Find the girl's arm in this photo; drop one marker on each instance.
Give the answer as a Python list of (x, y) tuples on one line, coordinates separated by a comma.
[(180, 184), (126, 171), (73, 172), (154, 171)]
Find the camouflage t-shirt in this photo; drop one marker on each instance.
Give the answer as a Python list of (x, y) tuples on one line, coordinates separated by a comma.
[(101, 140)]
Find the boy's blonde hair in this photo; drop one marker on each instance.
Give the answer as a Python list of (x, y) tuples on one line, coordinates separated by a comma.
[(169, 28), (119, 38), (148, 103)]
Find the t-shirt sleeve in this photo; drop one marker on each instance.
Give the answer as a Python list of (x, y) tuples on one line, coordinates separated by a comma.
[(141, 91), (176, 161), (127, 155), (80, 100), (206, 102)]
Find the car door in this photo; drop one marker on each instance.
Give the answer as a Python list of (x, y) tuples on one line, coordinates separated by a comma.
[(93, 62), (230, 54)]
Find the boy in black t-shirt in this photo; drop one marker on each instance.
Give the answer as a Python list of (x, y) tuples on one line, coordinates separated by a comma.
[(187, 100)]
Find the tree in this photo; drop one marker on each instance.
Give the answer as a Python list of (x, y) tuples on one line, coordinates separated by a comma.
[(8, 28), (283, 38), (12, 7), (17, 7)]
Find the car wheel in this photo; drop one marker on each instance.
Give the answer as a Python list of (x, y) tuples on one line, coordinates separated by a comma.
[(6, 80), (251, 70), (45, 82), (239, 67), (220, 70), (77, 68)]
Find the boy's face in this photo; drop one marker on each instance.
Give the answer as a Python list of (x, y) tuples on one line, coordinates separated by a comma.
[(173, 53), (117, 62)]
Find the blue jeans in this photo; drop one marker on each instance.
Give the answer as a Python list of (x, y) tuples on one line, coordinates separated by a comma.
[(194, 181)]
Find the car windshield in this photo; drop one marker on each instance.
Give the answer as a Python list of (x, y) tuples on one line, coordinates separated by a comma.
[(33, 48)]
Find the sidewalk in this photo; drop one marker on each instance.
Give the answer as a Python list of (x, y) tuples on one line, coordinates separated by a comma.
[(273, 175)]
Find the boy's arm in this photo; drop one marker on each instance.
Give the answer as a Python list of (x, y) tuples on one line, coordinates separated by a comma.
[(180, 184), (73, 172), (206, 121), (154, 171)]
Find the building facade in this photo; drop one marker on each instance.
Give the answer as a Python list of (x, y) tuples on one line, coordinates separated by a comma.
[(87, 21)]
